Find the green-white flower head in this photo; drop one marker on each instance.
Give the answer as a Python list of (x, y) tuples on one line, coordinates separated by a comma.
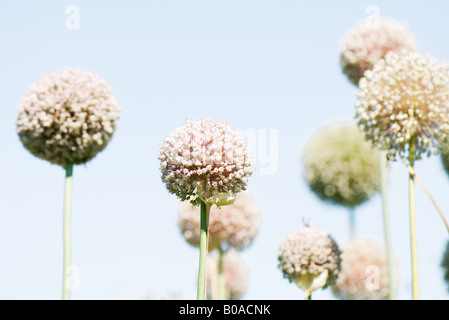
[(340, 166), (310, 258), (67, 117), (445, 265), (369, 41), (235, 271), (404, 99), (233, 226), (364, 271), (205, 160)]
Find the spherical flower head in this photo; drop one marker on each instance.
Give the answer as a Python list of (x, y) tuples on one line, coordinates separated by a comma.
[(205, 160), (444, 155), (364, 271), (369, 41), (233, 226), (340, 166), (445, 265), (310, 258), (404, 99), (235, 272), (67, 117)]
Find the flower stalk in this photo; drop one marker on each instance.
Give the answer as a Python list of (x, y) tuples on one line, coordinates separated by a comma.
[(204, 237), (412, 212), (67, 233), (386, 220)]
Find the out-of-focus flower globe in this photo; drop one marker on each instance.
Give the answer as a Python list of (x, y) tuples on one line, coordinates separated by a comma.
[(445, 265), (233, 226), (340, 166), (364, 271), (205, 160), (310, 258), (369, 41), (403, 102), (236, 275), (67, 117)]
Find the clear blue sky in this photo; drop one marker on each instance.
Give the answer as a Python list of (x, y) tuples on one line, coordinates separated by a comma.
[(257, 65)]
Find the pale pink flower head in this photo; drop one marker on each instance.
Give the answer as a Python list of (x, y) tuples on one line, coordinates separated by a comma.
[(369, 41), (205, 160), (235, 272), (310, 258), (364, 271), (233, 226), (67, 117)]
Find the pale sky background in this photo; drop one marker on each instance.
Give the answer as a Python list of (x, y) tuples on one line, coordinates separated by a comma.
[(257, 65)]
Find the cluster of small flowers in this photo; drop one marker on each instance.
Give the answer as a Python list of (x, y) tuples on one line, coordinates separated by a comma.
[(233, 226), (364, 271), (309, 254), (204, 159), (341, 166), (369, 41), (235, 272), (67, 117), (405, 98)]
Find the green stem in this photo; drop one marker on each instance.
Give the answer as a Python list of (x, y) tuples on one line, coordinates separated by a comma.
[(222, 292), (308, 295), (413, 244), (383, 189), (67, 232), (352, 223), (204, 233)]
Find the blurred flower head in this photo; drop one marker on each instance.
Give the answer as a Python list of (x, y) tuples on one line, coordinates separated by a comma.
[(341, 166), (67, 117), (233, 226), (445, 265), (235, 272), (364, 271), (205, 160), (369, 41), (310, 258)]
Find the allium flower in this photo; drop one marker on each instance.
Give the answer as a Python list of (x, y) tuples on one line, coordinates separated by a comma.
[(369, 41), (205, 160), (341, 166), (445, 157), (310, 258), (67, 117), (364, 271), (232, 226), (235, 271), (445, 265), (405, 98)]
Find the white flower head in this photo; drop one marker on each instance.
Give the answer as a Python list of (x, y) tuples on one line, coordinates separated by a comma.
[(67, 117), (310, 258), (364, 45), (205, 160), (364, 271), (340, 166), (405, 99)]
